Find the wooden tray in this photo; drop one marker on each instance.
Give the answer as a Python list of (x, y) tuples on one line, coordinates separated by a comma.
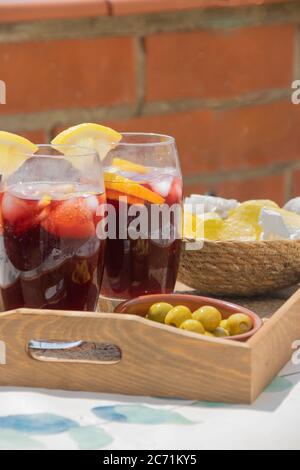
[(130, 355)]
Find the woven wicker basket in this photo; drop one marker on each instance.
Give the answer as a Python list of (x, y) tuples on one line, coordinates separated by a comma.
[(233, 268)]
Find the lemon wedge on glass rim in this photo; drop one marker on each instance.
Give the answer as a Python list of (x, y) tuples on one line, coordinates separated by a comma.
[(14, 150), (92, 136), (103, 139)]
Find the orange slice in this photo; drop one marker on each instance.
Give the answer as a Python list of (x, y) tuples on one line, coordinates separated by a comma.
[(129, 166), (127, 186), (115, 196)]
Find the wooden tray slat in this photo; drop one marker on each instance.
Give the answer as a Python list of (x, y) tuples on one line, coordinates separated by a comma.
[(155, 359)]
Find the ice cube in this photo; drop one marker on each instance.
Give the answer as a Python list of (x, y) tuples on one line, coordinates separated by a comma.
[(162, 186), (45, 168)]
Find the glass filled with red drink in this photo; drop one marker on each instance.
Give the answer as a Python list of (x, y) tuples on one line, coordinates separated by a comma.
[(144, 197), (51, 256)]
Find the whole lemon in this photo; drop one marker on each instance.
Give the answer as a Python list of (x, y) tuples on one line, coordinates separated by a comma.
[(239, 323), (158, 312), (210, 317), (192, 325), (178, 315)]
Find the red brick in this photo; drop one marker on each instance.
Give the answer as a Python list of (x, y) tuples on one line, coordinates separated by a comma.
[(267, 187), (20, 10), (218, 64), (67, 73), (37, 137), (210, 141), (127, 7)]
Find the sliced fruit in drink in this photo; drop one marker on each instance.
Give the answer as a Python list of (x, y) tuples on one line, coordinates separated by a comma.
[(73, 218), (126, 186), (116, 195), (126, 165), (14, 150), (175, 193), (92, 136), (20, 213)]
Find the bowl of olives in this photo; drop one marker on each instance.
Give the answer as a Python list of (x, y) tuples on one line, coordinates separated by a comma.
[(201, 315)]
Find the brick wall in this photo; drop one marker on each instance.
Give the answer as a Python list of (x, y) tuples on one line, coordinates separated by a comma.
[(218, 79)]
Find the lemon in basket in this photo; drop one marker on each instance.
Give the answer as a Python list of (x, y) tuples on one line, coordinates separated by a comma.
[(236, 229), (205, 226), (243, 221)]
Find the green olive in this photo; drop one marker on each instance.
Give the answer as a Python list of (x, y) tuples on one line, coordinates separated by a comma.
[(178, 315), (224, 324), (239, 323), (210, 317), (207, 333), (220, 332), (158, 312), (193, 325)]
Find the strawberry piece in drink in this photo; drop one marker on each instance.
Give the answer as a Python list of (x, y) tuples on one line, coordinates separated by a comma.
[(21, 214), (73, 218)]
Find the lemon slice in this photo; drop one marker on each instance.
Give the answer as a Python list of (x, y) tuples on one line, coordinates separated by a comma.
[(92, 136), (14, 150), (125, 186)]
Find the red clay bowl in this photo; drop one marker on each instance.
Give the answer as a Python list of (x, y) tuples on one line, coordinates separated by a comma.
[(140, 306)]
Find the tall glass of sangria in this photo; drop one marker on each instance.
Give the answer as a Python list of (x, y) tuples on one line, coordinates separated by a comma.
[(144, 200), (51, 256)]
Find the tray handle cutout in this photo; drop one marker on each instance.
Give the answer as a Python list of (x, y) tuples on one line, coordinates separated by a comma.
[(76, 351)]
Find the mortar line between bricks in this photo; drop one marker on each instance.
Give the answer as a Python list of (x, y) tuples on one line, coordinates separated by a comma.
[(109, 8), (49, 119), (189, 104), (147, 24), (237, 175), (296, 70), (140, 73), (59, 117), (288, 178)]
